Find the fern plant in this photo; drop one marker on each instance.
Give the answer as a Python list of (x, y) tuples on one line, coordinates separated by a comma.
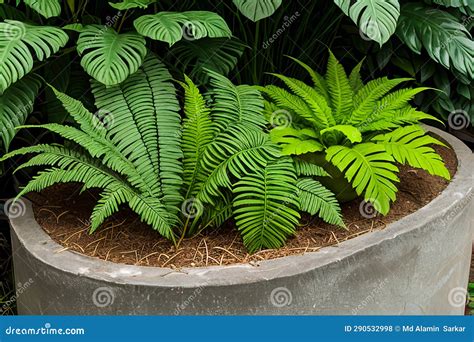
[(233, 169), (182, 177), (357, 132)]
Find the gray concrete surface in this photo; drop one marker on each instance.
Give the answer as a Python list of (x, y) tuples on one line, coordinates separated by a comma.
[(418, 265)]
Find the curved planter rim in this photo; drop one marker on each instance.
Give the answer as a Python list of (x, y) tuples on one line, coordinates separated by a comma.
[(452, 200)]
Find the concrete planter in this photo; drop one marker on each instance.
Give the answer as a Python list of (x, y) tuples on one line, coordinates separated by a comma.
[(418, 265)]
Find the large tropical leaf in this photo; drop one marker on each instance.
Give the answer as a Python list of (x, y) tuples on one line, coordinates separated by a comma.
[(455, 3), (264, 206), (444, 38), (256, 10), (171, 27), (315, 199), (216, 54), (371, 171), (47, 8), (410, 145), (377, 19), (108, 56), (129, 4), (16, 40), (16, 104)]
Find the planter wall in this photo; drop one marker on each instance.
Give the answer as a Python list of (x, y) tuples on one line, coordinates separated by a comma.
[(418, 265)]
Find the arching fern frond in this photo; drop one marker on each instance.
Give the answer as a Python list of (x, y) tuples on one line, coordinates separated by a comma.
[(371, 171), (121, 156), (410, 145), (367, 97), (320, 108), (304, 168), (198, 132), (233, 104), (234, 152), (340, 90), (315, 199), (265, 205)]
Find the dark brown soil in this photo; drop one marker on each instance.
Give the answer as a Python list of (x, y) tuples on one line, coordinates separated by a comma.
[(64, 215)]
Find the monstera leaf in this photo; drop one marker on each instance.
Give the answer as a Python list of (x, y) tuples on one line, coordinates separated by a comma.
[(108, 56), (17, 41), (129, 4), (171, 27), (15, 106), (217, 54), (446, 40), (256, 10), (47, 8), (455, 3), (377, 19)]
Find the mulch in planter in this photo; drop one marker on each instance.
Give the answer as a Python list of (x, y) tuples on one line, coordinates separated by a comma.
[(64, 215)]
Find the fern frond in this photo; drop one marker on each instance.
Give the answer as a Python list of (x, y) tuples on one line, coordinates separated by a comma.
[(234, 152), (410, 145), (168, 125), (371, 171), (315, 199), (285, 100), (355, 79), (387, 120), (233, 104), (296, 142), (340, 90), (264, 203), (320, 108), (318, 80), (198, 132), (367, 97), (304, 168)]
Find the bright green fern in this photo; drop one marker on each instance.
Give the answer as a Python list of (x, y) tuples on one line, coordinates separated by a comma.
[(355, 131)]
